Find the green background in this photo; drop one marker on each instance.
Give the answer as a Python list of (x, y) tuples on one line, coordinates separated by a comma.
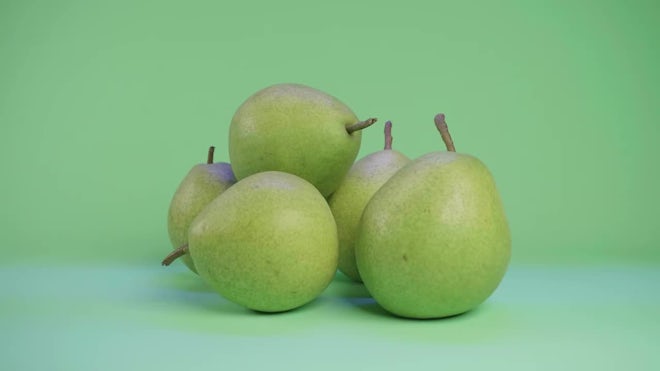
[(105, 105)]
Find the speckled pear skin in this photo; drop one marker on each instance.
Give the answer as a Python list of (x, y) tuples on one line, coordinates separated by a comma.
[(268, 243), (202, 184), (364, 178), (295, 129), (434, 240)]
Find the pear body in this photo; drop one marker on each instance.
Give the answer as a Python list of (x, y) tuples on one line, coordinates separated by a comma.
[(347, 203), (295, 129), (268, 243), (434, 240), (202, 184)]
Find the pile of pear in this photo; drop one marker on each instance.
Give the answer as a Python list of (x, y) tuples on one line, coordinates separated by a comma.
[(428, 237)]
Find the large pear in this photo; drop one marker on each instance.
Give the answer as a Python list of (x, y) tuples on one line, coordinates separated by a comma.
[(434, 240), (268, 243), (202, 184), (295, 129), (364, 178)]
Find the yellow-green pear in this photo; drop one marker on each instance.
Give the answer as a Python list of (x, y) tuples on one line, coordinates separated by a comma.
[(202, 184), (434, 240), (268, 243), (364, 178), (295, 129)]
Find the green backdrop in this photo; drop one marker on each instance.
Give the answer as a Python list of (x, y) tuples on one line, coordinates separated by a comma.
[(105, 105)]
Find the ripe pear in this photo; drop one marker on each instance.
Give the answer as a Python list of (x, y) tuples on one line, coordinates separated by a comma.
[(268, 243), (364, 178), (434, 240), (295, 129), (202, 184)]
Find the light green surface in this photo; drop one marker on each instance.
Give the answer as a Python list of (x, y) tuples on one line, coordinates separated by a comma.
[(144, 318), (105, 105)]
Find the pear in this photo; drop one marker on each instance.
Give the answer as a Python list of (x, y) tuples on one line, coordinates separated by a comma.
[(364, 178), (434, 240), (202, 184), (268, 243), (295, 129)]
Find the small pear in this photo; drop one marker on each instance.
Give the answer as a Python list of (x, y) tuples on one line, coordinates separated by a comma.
[(202, 184), (434, 240), (364, 178), (295, 129), (268, 243)]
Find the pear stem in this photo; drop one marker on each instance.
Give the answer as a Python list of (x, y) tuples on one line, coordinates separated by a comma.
[(209, 159), (388, 135), (174, 255), (360, 125), (444, 132)]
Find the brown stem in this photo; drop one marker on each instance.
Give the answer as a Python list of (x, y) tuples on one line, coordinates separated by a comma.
[(360, 125), (174, 255), (388, 135), (444, 132), (209, 159)]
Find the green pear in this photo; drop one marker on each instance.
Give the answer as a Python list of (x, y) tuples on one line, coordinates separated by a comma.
[(434, 240), (295, 129), (364, 178), (268, 243), (202, 184)]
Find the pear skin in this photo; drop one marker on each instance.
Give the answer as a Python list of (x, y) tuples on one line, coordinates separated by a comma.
[(347, 203), (202, 184), (296, 129), (434, 240), (268, 243)]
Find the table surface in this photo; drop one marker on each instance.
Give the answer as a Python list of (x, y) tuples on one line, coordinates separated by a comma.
[(96, 317)]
